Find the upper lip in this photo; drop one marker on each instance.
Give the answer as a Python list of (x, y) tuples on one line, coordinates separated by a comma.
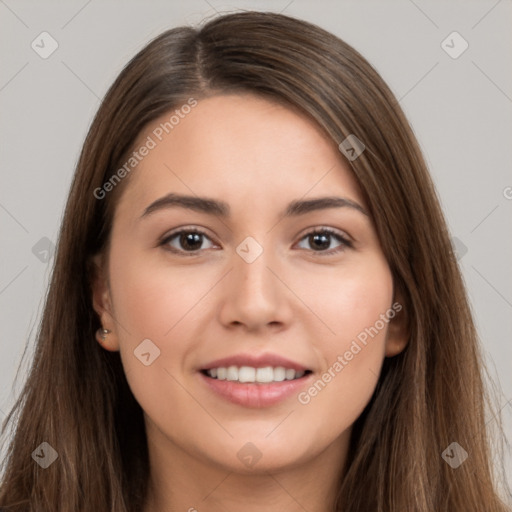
[(255, 361)]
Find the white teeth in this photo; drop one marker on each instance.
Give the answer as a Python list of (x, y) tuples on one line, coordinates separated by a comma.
[(290, 374), (250, 374), (279, 374), (265, 374), (232, 373), (246, 374)]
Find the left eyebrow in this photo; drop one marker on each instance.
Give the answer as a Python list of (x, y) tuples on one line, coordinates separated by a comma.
[(220, 208)]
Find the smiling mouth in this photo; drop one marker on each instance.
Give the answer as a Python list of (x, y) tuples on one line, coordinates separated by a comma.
[(252, 375)]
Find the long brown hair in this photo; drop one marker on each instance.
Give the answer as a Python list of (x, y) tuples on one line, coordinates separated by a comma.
[(76, 397)]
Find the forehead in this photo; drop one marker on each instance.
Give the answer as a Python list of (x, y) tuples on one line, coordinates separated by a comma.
[(237, 147)]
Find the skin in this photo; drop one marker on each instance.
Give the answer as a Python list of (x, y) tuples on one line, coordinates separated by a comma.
[(294, 300)]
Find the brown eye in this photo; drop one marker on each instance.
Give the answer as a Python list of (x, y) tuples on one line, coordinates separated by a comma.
[(186, 241), (321, 240)]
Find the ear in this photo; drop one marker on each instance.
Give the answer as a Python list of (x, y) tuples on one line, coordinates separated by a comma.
[(398, 334), (102, 303)]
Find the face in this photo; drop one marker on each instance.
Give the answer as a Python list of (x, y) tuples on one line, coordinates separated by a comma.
[(254, 279)]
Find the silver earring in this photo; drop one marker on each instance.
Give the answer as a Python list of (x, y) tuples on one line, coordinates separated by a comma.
[(102, 333)]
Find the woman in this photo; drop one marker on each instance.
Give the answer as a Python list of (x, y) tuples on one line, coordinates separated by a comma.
[(254, 302)]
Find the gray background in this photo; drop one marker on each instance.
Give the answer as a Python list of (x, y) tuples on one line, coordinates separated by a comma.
[(460, 109)]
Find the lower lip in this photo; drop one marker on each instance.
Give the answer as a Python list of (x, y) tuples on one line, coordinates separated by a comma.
[(256, 394)]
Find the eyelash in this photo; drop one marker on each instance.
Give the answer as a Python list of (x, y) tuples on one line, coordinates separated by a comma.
[(345, 242)]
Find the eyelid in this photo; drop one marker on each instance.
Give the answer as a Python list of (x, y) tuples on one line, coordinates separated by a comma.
[(186, 228), (328, 229)]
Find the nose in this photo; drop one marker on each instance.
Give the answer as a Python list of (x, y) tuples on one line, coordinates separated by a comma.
[(255, 296)]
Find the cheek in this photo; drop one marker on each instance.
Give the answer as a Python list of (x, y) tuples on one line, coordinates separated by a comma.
[(355, 305), (346, 301), (160, 302), (151, 299)]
